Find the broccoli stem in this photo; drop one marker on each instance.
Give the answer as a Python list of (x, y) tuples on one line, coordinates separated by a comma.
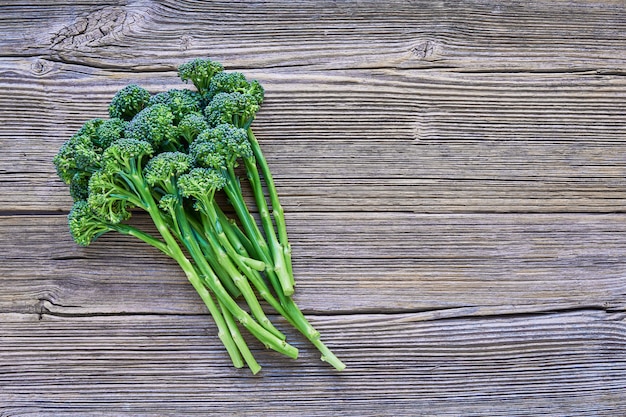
[(175, 252), (239, 341), (242, 260), (285, 306), (210, 256), (147, 238), (241, 282), (229, 339), (296, 318), (277, 208), (278, 254), (257, 241), (239, 240), (265, 336), (194, 278)]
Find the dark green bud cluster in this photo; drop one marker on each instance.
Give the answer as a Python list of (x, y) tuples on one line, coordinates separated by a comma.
[(166, 166), (169, 202), (233, 140), (107, 199), (180, 102), (162, 138), (154, 124), (81, 154), (191, 125), (233, 108), (109, 131), (147, 138), (201, 182), (200, 72), (125, 154), (79, 186), (207, 152), (236, 82), (82, 226), (129, 101), (220, 146)]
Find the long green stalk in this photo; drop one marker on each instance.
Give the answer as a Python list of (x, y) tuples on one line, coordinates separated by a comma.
[(174, 251), (265, 336), (277, 208), (278, 255), (239, 341)]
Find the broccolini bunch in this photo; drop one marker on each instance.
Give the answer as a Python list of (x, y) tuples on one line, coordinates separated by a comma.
[(169, 154)]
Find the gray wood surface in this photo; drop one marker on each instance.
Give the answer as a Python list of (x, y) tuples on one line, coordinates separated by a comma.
[(454, 181)]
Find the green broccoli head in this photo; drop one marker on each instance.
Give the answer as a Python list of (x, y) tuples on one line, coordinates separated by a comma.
[(208, 153), (129, 101), (79, 186), (233, 108), (236, 82), (109, 131), (200, 72), (180, 102), (166, 167), (168, 203), (85, 226), (108, 197), (126, 156), (201, 183), (77, 155), (191, 125), (233, 140), (154, 124), (220, 146), (90, 128)]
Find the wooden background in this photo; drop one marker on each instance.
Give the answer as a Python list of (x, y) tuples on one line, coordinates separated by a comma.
[(453, 176)]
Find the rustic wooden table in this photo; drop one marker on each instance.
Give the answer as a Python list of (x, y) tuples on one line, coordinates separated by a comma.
[(453, 176)]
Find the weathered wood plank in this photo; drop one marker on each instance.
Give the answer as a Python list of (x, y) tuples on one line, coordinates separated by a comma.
[(433, 143), (453, 176), (476, 36), (401, 365), (359, 261)]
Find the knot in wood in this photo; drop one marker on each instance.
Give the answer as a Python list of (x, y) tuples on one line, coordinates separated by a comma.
[(102, 27), (426, 50), (40, 67)]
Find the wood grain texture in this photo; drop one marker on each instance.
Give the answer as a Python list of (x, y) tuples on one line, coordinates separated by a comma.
[(410, 365), (454, 182)]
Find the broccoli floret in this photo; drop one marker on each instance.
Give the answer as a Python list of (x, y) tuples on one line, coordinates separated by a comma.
[(109, 197), (90, 128), (201, 183), (129, 101), (220, 146), (79, 186), (191, 125), (207, 152), (180, 102), (169, 203), (109, 131), (200, 72), (119, 185), (233, 108), (233, 140), (85, 226), (77, 155), (154, 124), (81, 154), (126, 156), (163, 169), (236, 82)]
